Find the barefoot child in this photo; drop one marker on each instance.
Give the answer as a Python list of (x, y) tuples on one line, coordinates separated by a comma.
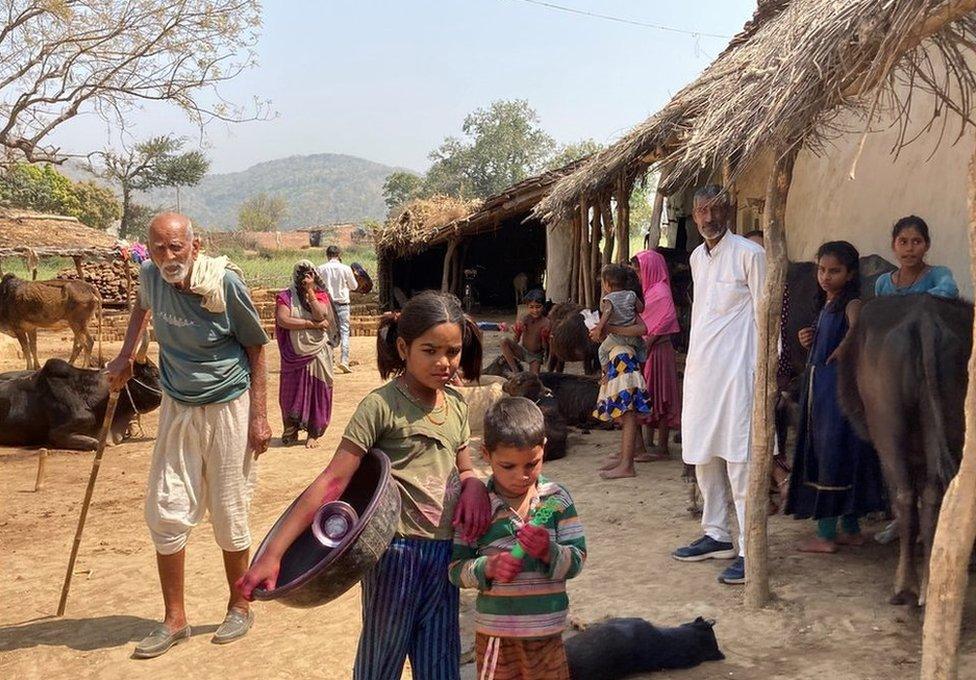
[(620, 306), (835, 473), (409, 607), (521, 609), (531, 341)]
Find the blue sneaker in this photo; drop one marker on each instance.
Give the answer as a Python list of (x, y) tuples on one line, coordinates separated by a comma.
[(735, 573), (705, 548)]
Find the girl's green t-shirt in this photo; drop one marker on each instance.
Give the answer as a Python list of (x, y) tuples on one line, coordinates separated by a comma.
[(422, 446)]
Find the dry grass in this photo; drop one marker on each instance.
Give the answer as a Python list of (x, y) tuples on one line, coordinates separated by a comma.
[(419, 220)]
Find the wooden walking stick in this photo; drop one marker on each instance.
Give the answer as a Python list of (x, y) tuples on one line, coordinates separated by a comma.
[(113, 399)]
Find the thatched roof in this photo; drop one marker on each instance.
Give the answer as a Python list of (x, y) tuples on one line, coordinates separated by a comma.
[(426, 222), (419, 221), (781, 82), (27, 229)]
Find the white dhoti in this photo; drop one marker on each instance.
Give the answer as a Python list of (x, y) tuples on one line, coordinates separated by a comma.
[(201, 462)]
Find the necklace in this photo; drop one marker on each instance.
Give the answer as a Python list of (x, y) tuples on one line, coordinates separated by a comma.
[(898, 283), (428, 410)]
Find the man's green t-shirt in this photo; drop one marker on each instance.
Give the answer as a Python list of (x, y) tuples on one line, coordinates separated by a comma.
[(422, 446), (201, 354)]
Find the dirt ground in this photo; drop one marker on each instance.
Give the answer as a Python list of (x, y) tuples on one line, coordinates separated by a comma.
[(830, 617)]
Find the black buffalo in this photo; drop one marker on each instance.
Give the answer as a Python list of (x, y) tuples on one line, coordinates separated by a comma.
[(576, 395), (62, 406), (902, 383), (528, 385)]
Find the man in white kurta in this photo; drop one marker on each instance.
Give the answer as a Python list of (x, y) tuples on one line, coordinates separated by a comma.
[(728, 273)]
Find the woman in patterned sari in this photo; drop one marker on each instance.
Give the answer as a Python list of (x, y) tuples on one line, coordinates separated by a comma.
[(304, 325)]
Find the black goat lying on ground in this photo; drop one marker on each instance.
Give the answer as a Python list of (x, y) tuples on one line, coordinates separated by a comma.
[(622, 647)]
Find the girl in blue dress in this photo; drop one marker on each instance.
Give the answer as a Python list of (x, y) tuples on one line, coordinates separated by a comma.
[(910, 242), (836, 474)]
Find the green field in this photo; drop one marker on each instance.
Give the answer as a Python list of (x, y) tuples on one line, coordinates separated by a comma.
[(262, 269)]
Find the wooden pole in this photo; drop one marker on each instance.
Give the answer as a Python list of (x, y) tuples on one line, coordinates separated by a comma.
[(956, 531), (41, 467), (609, 229), (78, 268), (593, 271), (129, 297), (622, 232), (574, 260), (113, 400), (585, 281), (764, 404), (448, 261), (656, 214)]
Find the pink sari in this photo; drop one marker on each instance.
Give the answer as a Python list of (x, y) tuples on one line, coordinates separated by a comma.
[(661, 319)]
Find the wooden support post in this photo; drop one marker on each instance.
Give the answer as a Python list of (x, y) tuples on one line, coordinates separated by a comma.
[(574, 260), (956, 531), (623, 220), (586, 282), (41, 466), (78, 267), (448, 262), (656, 214), (609, 229), (593, 271), (129, 297), (764, 404)]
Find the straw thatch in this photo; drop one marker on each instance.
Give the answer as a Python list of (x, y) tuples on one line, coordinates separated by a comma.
[(428, 221), (419, 221), (27, 229), (782, 81)]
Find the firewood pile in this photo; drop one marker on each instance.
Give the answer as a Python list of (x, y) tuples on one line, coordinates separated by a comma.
[(109, 278)]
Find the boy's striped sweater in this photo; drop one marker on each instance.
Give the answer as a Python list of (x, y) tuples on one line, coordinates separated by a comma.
[(534, 605)]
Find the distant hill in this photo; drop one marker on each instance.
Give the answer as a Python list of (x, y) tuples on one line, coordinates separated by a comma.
[(321, 188)]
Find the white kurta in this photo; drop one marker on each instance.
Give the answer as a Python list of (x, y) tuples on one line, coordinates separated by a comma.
[(718, 383)]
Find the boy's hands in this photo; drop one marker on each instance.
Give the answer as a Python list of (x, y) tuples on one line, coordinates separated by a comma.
[(535, 540), (502, 567)]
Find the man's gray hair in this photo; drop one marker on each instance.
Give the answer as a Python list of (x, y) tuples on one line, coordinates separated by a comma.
[(712, 193)]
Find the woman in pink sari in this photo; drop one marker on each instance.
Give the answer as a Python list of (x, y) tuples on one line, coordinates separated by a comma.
[(303, 321), (661, 369)]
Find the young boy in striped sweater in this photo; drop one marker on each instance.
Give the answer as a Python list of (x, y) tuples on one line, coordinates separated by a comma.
[(522, 605)]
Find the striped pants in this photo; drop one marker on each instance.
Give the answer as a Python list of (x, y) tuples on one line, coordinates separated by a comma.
[(410, 609)]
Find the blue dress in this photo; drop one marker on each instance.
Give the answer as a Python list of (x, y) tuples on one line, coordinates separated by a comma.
[(835, 472), (935, 281)]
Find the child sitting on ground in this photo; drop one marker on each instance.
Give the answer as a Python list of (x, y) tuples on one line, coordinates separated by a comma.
[(531, 341), (619, 306), (521, 608)]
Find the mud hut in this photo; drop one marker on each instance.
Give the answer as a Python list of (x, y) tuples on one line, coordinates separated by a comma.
[(431, 242), (32, 236), (826, 120)]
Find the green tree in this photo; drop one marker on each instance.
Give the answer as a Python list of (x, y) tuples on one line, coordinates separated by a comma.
[(261, 212), (156, 162), (573, 152), (43, 189), (139, 218), (400, 187), (98, 206), (501, 145), (38, 187)]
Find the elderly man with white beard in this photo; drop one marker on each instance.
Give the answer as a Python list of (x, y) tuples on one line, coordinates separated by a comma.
[(213, 420), (728, 272)]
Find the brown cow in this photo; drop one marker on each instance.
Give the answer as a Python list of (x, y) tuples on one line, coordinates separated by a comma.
[(902, 383), (569, 339), (26, 306)]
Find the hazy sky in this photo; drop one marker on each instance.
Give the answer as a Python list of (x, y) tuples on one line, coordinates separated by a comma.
[(389, 80)]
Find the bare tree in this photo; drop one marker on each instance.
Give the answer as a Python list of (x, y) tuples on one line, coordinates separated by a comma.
[(59, 58)]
